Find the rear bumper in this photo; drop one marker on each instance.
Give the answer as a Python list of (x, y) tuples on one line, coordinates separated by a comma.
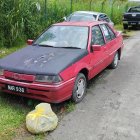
[(48, 93)]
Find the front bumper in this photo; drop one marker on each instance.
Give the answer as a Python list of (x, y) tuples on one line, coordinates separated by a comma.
[(132, 23), (48, 93)]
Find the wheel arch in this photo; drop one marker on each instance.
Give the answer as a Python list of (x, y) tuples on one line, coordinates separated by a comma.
[(119, 51), (85, 72)]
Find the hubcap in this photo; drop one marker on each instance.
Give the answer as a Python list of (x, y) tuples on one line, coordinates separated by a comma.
[(116, 59), (80, 88)]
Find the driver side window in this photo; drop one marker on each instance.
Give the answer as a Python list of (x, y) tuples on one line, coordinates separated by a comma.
[(97, 36)]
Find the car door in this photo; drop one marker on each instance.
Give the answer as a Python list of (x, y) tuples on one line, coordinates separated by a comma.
[(98, 55), (110, 39)]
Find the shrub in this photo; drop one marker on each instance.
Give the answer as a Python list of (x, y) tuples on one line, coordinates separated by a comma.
[(20, 19)]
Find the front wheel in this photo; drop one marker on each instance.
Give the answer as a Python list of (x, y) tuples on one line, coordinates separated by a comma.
[(115, 61), (79, 88)]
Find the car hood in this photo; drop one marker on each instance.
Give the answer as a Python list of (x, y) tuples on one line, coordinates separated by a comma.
[(41, 60)]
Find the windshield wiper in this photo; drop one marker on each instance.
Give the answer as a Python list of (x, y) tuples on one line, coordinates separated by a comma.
[(70, 47), (43, 45)]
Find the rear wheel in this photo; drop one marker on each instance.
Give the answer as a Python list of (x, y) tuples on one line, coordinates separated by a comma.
[(115, 61), (125, 26), (79, 88)]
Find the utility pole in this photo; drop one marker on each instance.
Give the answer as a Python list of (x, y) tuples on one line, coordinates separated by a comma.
[(71, 5), (112, 4), (90, 5), (46, 9)]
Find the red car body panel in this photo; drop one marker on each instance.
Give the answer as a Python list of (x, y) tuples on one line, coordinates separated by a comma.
[(93, 63), (49, 93)]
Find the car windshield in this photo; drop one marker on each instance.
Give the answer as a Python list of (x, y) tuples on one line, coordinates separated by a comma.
[(81, 17), (136, 9), (64, 36)]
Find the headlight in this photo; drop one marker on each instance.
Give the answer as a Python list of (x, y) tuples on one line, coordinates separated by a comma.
[(48, 79), (1, 71)]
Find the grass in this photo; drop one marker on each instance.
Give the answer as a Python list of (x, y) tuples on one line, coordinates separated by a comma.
[(13, 110), (11, 117), (69, 107), (126, 33), (119, 27)]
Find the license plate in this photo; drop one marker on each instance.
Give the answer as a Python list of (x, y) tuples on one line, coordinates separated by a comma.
[(133, 23), (125, 22), (16, 88)]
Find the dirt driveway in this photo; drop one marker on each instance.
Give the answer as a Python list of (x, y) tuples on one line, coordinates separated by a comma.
[(111, 109)]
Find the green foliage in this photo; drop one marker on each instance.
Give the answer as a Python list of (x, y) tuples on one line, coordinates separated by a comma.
[(16, 20), (20, 19), (70, 106), (11, 117)]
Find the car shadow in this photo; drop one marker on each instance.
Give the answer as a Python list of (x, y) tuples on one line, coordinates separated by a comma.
[(30, 104), (13, 100), (99, 79)]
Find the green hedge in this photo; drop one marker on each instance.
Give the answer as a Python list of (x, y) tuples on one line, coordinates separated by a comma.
[(20, 19)]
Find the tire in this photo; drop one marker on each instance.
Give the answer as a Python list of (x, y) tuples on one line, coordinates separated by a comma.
[(125, 26), (134, 26), (115, 61), (79, 90)]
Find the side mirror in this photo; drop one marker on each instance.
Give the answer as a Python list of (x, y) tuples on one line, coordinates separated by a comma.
[(96, 47), (29, 42), (64, 18)]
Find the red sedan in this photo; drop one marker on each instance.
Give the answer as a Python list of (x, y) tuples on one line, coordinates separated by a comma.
[(56, 66)]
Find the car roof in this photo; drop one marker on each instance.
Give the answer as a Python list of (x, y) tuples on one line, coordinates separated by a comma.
[(83, 23), (87, 12)]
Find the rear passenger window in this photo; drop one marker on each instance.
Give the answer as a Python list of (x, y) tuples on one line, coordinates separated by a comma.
[(101, 18), (106, 19), (97, 36), (106, 32), (111, 32)]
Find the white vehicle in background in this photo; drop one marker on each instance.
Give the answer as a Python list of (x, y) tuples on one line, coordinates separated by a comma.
[(88, 16)]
